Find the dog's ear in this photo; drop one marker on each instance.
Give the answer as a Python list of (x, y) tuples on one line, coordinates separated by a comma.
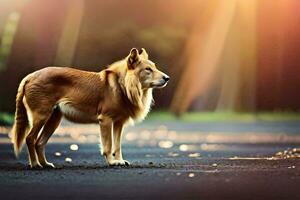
[(133, 58), (143, 53)]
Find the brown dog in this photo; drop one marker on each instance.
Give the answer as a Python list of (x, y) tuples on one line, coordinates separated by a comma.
[(112, 97)]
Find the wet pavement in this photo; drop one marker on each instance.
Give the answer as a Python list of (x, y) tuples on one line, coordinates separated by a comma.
[(169, 160)]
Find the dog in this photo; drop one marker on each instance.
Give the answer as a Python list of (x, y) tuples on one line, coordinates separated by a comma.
[(112, 97)]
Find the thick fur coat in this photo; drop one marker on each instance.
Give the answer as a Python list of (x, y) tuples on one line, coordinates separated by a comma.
[(112, 97)]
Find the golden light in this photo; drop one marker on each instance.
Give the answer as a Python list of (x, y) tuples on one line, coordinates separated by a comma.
[(220, 54), (165, 144)]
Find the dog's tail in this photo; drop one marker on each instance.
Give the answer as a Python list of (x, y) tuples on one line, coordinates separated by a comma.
[(21, 123)]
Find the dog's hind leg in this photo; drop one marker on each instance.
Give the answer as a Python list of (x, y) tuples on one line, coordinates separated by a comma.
[(48, 129), (37, 124)]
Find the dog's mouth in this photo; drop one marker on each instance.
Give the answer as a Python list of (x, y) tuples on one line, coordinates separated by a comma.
[(160, 84)]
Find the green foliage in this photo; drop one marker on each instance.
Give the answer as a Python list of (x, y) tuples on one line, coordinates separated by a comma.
[(6, 119)]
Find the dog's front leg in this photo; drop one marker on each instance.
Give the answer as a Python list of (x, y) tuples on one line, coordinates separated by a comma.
[(118, 130), (106, 140)]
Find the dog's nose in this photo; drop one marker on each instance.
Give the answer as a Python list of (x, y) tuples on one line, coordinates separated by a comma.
[(166, 78)]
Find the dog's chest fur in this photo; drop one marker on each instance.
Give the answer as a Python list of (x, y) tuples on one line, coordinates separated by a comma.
[(141, 113)]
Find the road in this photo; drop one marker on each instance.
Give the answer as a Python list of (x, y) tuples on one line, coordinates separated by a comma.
[(169, 160)]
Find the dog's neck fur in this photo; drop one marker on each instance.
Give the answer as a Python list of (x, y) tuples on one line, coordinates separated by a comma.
[(140, 98)]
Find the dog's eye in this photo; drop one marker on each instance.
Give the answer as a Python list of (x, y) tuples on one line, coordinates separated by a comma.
[(149, 69)]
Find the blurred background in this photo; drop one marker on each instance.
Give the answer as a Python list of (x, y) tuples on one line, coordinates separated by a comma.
[(233, 56), (226, 126)]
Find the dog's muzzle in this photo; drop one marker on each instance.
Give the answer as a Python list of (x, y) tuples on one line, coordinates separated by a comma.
[(166, 78), (163, 81)]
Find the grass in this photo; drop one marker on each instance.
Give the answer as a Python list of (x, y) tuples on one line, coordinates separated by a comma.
[(225, 116), (7, 119)]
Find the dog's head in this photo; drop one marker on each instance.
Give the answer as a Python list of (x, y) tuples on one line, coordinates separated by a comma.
[(146, 71)]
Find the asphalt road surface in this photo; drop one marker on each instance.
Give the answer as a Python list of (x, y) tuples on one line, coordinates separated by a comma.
[(172, 160)]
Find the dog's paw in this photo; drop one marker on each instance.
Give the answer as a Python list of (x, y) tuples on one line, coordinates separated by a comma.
[(127, 163), (48, 165), (116, 163), (119, 163), (36, 166)]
